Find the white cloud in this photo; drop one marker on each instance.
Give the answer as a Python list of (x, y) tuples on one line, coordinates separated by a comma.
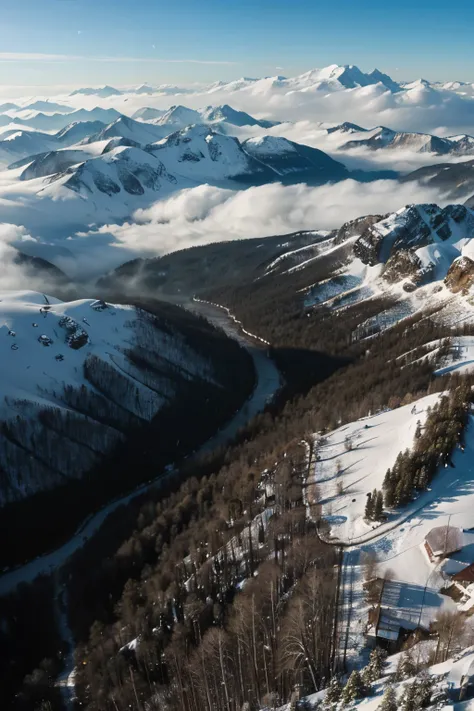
[(12, 275), (13, 233), (208, 214), (419, 109)]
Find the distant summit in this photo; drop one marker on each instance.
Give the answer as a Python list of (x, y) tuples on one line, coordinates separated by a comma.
[(103, 92)]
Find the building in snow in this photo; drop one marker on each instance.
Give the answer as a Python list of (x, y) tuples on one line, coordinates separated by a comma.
[(391, 628), (443, 541), (464, 577)]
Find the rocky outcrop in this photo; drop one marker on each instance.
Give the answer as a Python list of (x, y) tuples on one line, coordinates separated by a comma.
[(404, 264), (411, 228), (460, 276), (355, 228)]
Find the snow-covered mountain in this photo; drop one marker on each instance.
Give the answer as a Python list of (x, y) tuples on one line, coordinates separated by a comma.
[(289, 158), (148, 113), (224, 117), (455, 180), (103, 92), (120, 172), (75, 379), (125, 127), (143, 89), (48, 107), (416, 257), (331, 78), (226, 114), (51, 163), (58, 121), (179, 117), (385, 138), (9, 106), (20, 144), (199, 153), (79, 130)]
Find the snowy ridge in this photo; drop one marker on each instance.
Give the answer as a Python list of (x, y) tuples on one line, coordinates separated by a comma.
[(78, 369)]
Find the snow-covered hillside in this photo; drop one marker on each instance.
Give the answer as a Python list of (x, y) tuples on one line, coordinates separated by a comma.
[(330, 78), (129, 128), (123, 170), (286, 157), (103, 92), (76, 376), (357, 457), (447, 685), (385, 138)]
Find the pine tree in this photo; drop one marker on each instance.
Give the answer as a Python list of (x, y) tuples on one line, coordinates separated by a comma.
[(389, 700), (389, 498), (369, 507), (418, 430), (374, 668), (354, 689), (406, 667), (425, 688), (410, 700), (377, 662), (378, 507), (366, 675), (333, 694)]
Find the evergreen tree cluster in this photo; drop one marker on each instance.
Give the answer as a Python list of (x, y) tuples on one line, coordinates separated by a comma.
[(374, 506), (374, 668), (358, 684), (444, 429), (417, 694), (406, 667)]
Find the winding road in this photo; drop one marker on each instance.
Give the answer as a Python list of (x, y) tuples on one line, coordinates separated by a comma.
[(268, 383)]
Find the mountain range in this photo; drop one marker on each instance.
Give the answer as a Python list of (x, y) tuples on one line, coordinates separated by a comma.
[(331, 78), (385, 138)]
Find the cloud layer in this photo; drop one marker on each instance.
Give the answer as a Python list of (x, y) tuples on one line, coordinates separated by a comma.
[(208, 214)]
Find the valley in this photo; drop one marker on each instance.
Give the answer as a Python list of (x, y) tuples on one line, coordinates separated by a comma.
[(267, 384), (236, 409)]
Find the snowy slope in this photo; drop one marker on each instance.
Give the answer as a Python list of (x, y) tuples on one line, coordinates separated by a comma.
[(9, 106), (147, 113), (411, 593), (199, 153), (103, 92), (57, 121), (77, 131), (178, 117), (16, 145), (286, 157), (20, 144), (446, 682), (226, 114), (376, 442), (48, 107), (128, 170), (331, 78), (385, 138), (129, 128), (71, 361), (53, 162)]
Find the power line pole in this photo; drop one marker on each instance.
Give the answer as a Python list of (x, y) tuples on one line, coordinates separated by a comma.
[(446, 537)]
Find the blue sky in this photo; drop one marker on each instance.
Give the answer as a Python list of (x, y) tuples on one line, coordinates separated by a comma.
[(121, 42)]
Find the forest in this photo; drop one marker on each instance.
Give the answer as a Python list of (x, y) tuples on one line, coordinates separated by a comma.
[(103, 439), (219, 591), (163, 617)]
